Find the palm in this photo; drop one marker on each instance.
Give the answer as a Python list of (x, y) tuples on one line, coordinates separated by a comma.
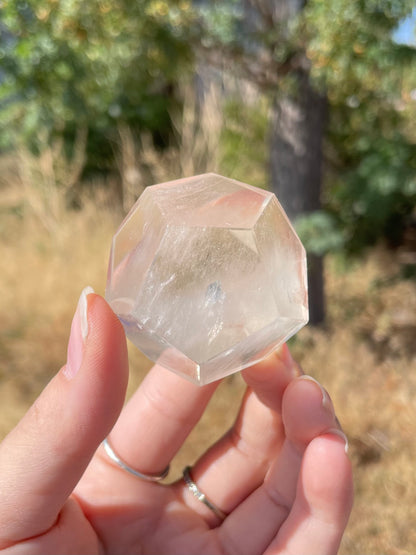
[(261, 461)]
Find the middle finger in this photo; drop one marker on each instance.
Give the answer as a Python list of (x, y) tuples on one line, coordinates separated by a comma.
[(236, 465), (157, 419)]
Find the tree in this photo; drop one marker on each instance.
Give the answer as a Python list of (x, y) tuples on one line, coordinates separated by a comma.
[(267, 46), (337, 58), (296, 134), (340, 90)]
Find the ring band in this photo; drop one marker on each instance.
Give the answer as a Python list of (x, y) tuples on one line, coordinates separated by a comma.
[(193, 488), (147, 477)]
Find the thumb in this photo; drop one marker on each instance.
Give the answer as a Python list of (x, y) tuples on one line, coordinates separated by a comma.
[(43, 458)]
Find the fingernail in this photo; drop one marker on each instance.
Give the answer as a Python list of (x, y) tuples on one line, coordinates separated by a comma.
[(326, 401), (79, 333), (339, 433)]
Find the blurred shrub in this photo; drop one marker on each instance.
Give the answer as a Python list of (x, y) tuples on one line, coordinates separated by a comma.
[(370, 147), (376, 193), (320, 233), (112, 69), (73, 64)]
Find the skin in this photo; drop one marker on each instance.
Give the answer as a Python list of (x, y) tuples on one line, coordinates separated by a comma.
[(281, 474)]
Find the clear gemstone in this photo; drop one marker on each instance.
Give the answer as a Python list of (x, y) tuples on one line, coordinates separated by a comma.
[(207, 276)]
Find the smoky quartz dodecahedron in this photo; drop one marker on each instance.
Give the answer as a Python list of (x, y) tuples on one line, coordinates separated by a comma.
[(207, 276)]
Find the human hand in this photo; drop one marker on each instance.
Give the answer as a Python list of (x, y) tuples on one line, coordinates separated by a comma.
[(281, 474)]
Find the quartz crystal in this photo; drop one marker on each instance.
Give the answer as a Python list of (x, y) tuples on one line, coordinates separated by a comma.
[(207, 276)]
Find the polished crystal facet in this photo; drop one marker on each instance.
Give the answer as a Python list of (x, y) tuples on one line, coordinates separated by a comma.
[(207, 276)]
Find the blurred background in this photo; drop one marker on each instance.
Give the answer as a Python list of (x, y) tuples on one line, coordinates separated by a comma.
[(313, 100)]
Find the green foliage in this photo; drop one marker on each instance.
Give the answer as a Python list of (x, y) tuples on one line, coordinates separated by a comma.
[(371, 188), (320, 232), (351, 48), (72, 64), (370, 152), (376, 195), (220, 21)]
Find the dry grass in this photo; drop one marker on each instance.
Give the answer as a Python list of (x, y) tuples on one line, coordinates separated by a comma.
[(366, 359), (366, 356), (197, 128)]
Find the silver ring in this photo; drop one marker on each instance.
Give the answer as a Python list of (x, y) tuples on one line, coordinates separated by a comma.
[(147, 477), (193, 488)]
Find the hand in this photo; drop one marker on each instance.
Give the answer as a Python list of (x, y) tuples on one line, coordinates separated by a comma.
[(281, 474)]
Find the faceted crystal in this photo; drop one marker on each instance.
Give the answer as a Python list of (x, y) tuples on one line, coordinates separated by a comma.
[(207, 276)]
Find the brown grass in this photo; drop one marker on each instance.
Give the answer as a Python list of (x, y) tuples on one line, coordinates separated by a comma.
[(366, 355)]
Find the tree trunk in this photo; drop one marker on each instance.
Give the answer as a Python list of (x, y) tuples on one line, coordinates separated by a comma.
[(297, 128)]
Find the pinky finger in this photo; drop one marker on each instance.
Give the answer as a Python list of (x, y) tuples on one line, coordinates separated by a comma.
[(323, 503)]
